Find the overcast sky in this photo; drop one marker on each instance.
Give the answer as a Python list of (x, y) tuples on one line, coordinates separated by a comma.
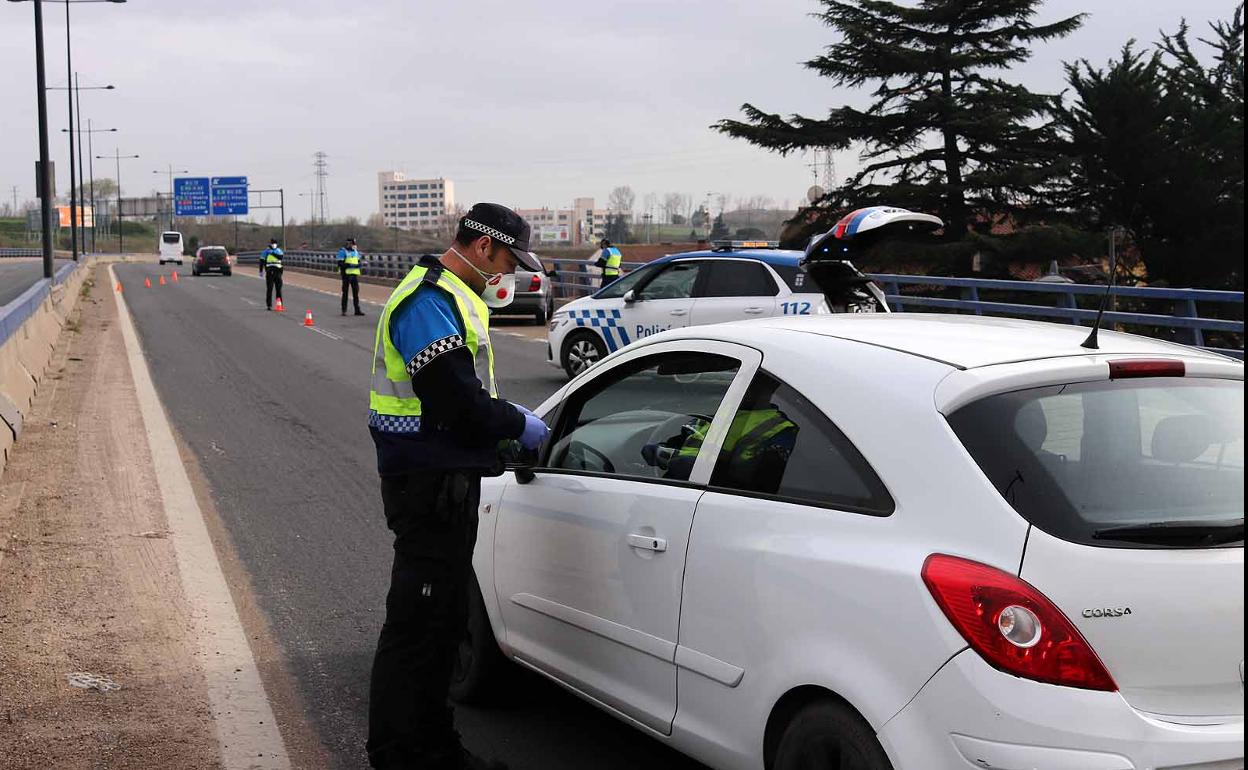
[(526, 103)]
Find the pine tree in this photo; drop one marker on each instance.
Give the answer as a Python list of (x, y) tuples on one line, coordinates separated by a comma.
[(944, 133)]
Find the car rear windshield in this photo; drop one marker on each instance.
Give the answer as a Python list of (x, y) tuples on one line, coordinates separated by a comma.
[(1144, 463), (214, 253), (171, 238)]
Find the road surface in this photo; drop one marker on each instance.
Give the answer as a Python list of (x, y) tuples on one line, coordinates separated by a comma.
[(17, 274), (275, 414)]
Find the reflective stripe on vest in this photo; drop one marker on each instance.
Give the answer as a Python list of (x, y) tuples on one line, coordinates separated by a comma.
[(352, 263), (272, 258), (392, 395), (750, 432), (613, 263)]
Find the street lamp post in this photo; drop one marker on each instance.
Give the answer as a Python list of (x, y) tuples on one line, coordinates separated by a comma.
[(41, 85), (121, 249), (170, 171), (91, 166)]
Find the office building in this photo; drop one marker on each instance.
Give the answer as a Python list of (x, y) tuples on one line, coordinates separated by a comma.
[(414, 204)]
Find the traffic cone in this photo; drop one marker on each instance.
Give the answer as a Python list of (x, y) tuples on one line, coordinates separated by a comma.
[(307, 318), (147, 283), (175, 277), (162, 280), (280, 307), (119, 287)]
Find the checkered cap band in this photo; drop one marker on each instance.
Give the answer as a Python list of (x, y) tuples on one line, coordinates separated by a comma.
[(434, 349), (490, 231), (394, 423)]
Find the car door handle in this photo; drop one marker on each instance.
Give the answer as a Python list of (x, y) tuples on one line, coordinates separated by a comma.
[(754, 310), (647, 542), (680, 312)]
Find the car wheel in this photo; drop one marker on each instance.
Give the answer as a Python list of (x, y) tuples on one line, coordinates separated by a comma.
[(828, 734), (227, 273), (581, 351), (194, 273), (478, 658), (541, 316)]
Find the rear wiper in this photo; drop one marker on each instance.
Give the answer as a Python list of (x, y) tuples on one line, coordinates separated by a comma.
[(1187, 532)]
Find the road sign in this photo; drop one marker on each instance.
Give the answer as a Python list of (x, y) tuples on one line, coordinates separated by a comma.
[(229, 195), (190, 197)]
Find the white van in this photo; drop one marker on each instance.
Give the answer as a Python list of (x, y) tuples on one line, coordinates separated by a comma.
[(170, 247)]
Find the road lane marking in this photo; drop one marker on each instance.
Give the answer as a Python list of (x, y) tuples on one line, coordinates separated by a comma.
[(331, 335), (247, 734)]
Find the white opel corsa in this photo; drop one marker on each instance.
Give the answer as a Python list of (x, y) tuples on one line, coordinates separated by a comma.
[(885, 541)]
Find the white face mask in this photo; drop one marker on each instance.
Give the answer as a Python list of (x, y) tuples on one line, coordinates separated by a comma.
[(500, 288)]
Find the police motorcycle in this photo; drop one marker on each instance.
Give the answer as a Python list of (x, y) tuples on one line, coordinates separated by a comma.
[(828, 256)]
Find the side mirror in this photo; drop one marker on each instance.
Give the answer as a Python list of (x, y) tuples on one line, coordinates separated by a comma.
[(552, 273), (630, 296), (524, 474)]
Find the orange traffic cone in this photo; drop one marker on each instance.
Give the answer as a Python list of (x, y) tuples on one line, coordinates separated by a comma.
[(119, 287), (147, 283), (280, 307), (307, 318), (162, 280), (175, 277)]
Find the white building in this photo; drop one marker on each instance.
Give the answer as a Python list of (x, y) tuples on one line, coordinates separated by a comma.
[(579, 225), (414, 204)]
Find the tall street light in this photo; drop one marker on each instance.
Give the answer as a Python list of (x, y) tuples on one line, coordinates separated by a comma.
[(91, 164), (76, 96), (171, 171), (41, 81), (119, 158)]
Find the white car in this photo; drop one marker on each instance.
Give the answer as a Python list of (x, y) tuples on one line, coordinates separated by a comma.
[(693, 288), (908, 541)]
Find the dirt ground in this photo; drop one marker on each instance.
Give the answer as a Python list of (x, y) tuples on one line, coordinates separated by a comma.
[(88, 580)]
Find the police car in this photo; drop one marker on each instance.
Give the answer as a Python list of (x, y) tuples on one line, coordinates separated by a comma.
[(736, 280)]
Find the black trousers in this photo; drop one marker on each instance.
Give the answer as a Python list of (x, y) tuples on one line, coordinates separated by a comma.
[(606, 279), (272, 280), (353, 282), (434, 520)]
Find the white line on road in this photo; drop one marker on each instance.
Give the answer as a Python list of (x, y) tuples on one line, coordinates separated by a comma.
[(331, 335), (247, 734)]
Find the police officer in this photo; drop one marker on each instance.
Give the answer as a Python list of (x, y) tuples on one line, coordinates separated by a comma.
[(437, 424), (349, 267), (609, 259), (271, 269)]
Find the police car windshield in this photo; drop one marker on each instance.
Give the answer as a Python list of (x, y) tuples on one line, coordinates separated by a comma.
[(627, 283)]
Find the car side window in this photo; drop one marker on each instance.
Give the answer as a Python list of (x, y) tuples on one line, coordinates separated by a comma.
[(782, 446), (737, 278), (644, 420), (675, 282)]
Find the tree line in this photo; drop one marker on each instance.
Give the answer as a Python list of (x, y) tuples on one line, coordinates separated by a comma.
[(1149, 143)]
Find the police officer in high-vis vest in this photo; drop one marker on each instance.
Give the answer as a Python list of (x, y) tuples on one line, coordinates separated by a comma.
[(609, 260), (437, 423), (271, 269), (349, 264)]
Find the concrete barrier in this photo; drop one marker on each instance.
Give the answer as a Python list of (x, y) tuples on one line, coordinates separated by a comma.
[(29, 328)]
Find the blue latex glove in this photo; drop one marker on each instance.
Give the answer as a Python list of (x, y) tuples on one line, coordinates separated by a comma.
[(535, 432)]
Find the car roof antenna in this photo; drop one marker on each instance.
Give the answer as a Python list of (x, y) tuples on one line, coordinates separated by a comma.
[(1091, 342)]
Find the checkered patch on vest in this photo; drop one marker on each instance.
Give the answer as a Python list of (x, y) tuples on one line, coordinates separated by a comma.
[(393, 423), (435, 349)]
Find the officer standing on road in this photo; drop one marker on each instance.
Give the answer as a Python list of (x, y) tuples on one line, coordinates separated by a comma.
[(609, 260), (271, 269), (349, 266), (437, 423)]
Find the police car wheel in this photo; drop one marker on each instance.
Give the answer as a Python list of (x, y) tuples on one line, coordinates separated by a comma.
[(827, 734), (477, 660), (581, 351)]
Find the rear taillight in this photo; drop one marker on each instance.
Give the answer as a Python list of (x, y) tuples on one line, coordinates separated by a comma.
[(1012, 625), (535, 283), (1143, 367)]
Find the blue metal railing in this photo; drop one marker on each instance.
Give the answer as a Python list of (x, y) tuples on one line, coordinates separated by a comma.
[(1201, 317)]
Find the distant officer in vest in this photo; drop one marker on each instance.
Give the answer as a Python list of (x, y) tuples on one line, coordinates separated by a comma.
[(609, 259), (349, 266), (437, 423), (271, 269)]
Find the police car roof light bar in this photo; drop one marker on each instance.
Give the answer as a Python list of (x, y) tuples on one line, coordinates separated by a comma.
[(734, 245)]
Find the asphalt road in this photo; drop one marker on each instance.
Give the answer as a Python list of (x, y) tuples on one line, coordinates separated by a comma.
[(17, 274), (275, 414)]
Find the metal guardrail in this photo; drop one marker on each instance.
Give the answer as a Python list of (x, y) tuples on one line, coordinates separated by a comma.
[(18, 251), (1178, 315)]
